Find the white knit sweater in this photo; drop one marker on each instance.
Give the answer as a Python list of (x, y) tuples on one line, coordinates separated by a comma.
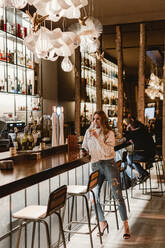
[(101, 148)]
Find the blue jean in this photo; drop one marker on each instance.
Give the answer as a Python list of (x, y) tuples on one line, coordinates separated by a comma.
[(128, 169), (137, 166), (109, 171)]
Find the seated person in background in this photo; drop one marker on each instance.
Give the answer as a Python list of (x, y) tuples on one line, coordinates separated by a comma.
[(158, 131), (144, 147)]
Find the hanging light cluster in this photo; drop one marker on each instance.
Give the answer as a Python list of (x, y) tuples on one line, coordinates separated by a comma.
[(18, 4), (155, 87), (89, 33), (59, 8), (50, 44)]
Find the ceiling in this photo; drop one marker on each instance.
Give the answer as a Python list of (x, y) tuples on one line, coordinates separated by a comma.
[(127, 11), (129, 14)]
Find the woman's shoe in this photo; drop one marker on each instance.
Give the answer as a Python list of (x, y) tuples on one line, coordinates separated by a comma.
[(102, 233), (126, 236)]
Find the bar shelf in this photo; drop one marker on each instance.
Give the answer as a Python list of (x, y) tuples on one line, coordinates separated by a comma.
[(18, 80)]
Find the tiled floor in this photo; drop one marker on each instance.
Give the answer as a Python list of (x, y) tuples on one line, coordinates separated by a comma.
[(146, 220)]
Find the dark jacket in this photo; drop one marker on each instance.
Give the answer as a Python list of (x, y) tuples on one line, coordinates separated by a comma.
[(142, 141)]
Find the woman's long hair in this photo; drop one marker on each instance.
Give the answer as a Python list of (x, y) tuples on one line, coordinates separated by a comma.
[(103, 121)]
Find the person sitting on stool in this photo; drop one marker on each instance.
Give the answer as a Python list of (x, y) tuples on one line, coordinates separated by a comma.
[(144, 147)]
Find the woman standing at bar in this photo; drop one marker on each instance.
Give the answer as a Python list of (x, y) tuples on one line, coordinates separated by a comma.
[(99, 141)]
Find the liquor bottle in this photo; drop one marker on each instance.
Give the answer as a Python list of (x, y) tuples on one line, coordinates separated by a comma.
[(18, 30), (108, 85), (29, 87), (23, 86), (25, 139), (83, 61), (30, 140), (1, 22), (3, 55), (19, 88), (0, 55), (17, 142), (11, 57), (24, 32), (9, 84)]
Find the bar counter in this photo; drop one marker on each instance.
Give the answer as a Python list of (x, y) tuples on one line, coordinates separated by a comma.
[(28, 171)]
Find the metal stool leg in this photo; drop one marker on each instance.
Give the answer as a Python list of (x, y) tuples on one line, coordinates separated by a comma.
[(33, 234), (150, 185), (19, 234), (62, 219), (61, 229), (89, 222), (47, 232), (71, 216)]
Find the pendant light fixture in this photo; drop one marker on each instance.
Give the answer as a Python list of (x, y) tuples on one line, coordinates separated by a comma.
[(66, 65), (19, 4)]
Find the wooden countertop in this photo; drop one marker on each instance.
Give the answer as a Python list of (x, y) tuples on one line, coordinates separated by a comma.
[(29, 172), (26, 172)]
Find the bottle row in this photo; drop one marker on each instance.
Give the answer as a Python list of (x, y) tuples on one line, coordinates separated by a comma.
[(109, 85), (111, 101), (91, 81), (15, 53), (91, 98), (20, 82), (14, 22), (88, 61), (88, 65), (29, 139), (87, 111), (18, 31), (110, 71), (16, 86), (88, 81)]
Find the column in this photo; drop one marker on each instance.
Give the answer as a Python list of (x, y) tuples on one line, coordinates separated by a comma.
[(141, 81), (163, 117), (120, 79), (77, 71), (98, 84)]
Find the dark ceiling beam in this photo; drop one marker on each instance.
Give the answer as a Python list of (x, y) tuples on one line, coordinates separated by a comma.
[(157, 46), (110, 30)]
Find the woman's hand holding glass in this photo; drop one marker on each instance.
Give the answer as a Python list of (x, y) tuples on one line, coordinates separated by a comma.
[(93, 132)]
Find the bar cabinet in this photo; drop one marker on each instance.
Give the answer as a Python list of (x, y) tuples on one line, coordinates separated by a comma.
[(20, 98)]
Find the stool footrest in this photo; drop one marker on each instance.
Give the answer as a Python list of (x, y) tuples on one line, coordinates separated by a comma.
[(78, 222)]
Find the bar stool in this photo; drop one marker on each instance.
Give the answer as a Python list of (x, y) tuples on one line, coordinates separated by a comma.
[(110, 202), (81, 190), (157, 161), (143, 188), (151, 189), (37, 213)]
